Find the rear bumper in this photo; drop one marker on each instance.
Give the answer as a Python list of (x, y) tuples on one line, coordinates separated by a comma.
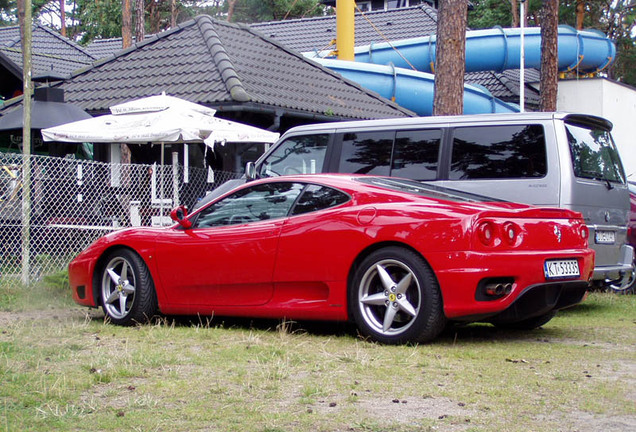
[(622, 270), (538, 300)]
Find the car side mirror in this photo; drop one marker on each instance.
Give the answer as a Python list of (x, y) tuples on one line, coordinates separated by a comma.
[(179, 215), (250, 171)]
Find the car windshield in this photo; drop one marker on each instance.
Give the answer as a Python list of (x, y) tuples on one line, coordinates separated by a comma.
[(426, 190), (594, 155)]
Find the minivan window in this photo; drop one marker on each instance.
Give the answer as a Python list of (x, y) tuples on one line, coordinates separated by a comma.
[(296, 155), (594, 155), (416, 153), (498, 152), (366, 152)]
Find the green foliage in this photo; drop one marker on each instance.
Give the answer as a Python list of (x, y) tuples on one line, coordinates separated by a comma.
[(616, 19), (250, 11), (490, 13), (97, 19), (9, 10)]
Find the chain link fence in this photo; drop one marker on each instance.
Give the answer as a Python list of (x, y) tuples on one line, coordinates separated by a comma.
[(74, 202)]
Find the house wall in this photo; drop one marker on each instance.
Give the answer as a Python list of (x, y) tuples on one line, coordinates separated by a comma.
[(612, 100)]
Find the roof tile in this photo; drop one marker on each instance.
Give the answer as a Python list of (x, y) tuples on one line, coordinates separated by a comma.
[(208, 61)]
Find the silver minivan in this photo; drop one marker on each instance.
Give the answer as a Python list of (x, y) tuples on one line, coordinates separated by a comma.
[(546, 159)]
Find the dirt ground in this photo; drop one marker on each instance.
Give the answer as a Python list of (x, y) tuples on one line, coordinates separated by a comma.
[(402, 411)]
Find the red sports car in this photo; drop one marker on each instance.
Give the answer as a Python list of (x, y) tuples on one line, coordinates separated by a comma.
[(398, 257)]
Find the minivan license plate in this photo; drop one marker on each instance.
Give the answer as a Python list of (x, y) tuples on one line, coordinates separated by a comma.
[(561, 268), (605, 237)]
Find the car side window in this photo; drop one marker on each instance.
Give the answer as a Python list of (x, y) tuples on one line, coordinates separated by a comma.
[(498, 152), (366, 152), (296, 155), (317, 197), (257, 203), (416, 154)]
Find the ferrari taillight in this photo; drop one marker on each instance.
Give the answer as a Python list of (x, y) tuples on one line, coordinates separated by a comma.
[(511, 233), (585, 232), (494, 234), (486, 232)]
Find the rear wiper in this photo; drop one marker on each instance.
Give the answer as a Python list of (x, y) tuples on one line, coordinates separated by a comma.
[(598, 176)]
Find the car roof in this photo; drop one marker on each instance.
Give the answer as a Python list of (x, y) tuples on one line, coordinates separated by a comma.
[(448, 120)]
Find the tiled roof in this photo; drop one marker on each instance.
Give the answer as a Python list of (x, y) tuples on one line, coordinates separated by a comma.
[(316, 33), (505, 85), (217, 64), (394, 24), (100, 48), (51, 52)]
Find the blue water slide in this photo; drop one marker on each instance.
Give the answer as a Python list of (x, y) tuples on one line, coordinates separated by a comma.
[(400, 70), (498, 49), (412, 89)]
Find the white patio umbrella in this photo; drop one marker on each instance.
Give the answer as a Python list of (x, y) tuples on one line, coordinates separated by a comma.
[(158, 119)]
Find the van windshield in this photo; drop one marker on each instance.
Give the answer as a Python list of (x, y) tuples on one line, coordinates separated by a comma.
[(594, 155), (296, 155)]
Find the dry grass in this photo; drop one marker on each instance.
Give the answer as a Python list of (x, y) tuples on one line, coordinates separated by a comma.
[(62, 368)]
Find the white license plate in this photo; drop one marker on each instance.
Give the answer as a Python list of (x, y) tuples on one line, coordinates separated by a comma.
[(605, 237), (555, 269)]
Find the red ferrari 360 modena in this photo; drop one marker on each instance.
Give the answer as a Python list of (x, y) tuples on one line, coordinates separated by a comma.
[(399, 258)]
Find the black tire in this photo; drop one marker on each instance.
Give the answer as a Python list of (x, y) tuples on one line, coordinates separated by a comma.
[(527, 324), (127, 290), (409, 301)]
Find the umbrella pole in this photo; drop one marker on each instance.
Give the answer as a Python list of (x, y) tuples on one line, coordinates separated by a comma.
[(161, 188)]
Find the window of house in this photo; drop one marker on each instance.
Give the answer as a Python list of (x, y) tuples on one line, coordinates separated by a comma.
[(496, 152), (364, 6)]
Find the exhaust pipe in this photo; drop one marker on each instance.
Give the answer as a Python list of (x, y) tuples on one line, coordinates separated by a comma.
[(498, 289)]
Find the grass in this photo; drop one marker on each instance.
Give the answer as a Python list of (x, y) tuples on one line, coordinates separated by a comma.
[(62, 368)]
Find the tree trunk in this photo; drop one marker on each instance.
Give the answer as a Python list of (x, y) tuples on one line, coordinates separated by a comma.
[(155, 17), (549, 55), (514, 5), (173, 13), (62, 18), (126, 23), (450, 57), (230, 9), (580, 14), (140, 21)]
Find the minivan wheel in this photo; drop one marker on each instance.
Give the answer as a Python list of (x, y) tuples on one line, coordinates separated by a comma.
[(395, 298)]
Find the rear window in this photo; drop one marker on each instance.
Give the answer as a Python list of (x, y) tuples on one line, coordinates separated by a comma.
[(498, 152), (425, 189), (594, 155)]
